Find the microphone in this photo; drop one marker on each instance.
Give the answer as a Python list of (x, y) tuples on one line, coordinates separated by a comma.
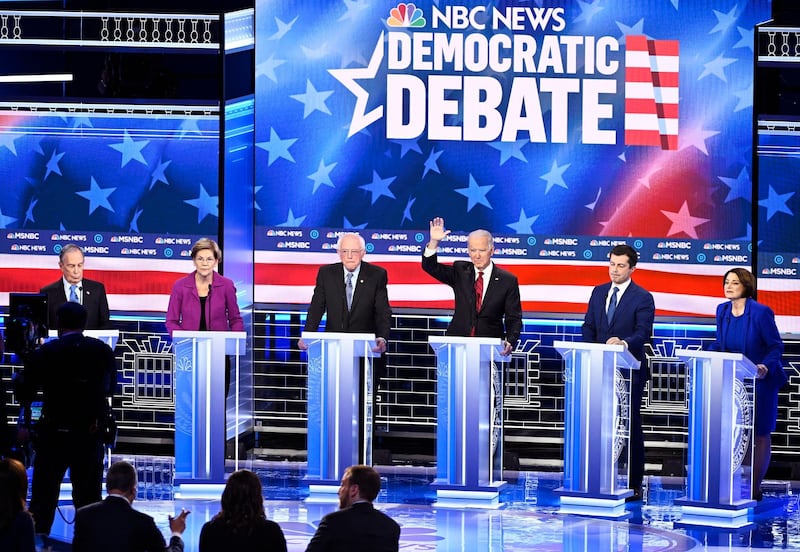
[(208, 304)]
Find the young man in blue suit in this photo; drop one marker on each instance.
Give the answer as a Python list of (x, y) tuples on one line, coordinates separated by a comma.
[(621, 313)]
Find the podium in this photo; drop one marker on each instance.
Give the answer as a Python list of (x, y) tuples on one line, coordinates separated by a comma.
[(469, 429), (200, 403), (336, 437), (721, 411), (596, 425), (109, 337)]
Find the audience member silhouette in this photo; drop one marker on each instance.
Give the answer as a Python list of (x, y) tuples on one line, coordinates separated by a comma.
[(16, 523)]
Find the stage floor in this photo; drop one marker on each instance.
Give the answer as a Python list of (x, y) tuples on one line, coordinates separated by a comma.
[(528, 517)]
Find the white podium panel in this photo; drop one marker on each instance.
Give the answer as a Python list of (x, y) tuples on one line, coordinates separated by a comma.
[(596, 423), (721, 412), (336, 437), (200, 403), (469, 412)]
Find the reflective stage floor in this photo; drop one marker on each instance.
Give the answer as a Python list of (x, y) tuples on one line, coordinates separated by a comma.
[(527, 519)]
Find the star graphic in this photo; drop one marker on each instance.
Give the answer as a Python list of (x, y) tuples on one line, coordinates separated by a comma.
[(7, 141), (717, 67), (277, 148), (313, 100), (407, 211), (158, 174), (740, 187), (747, 37), (588, 11), (636, 30), (431, 162), (255, 194), (322, 175), (5, 220), (134, 226), (97, 196), (350, 53), (776, 203), (475, 194), (315, 53), (130, 149), (555, 177), (189, 126), (745, 97), (52, 164), (267, 67), (724, 20), (292, 221), (361, 119), (29, 212), (205, 204), (524, 224), (748, 235), (682, 221), (593, 204), (283, 28), (354, 8), (79, 122), (350, 226), (697, 138), (510, 149), (407, 145), (379, 187)]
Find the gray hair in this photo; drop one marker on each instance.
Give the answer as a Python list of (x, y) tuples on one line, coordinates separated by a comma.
[(359, 236), (68, 249), (482, 234)]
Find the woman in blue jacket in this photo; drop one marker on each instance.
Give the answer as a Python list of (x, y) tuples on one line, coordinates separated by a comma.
[(745, 326)]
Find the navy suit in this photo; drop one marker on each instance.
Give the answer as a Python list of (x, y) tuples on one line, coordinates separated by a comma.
[(113, 524), (501, 301), (370, 311), (94, 301), (359, 528), (633, 323), (762, 345)]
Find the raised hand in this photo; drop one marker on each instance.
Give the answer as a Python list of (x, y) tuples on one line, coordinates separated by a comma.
[(438, 232)]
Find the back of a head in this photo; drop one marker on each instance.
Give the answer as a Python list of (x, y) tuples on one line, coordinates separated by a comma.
[(71, 316), (13, 490), (367, 479), (242, 500), (121, 477)]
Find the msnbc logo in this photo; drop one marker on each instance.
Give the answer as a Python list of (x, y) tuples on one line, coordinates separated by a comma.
[(406, 15)]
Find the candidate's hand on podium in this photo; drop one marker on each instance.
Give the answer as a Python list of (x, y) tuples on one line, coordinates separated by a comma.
[(380, 345), (617, 341), (302, 344), (507, 348), (762, 371)]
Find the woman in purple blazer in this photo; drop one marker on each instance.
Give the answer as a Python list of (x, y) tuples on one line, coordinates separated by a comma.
[(745, 326), (204, 300)]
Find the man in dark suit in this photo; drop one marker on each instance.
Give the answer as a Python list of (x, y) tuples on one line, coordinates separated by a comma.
[(113, 524), (621, 313), (357, 526), (76, 375), (487, 297), (73, 287), (353, 293)]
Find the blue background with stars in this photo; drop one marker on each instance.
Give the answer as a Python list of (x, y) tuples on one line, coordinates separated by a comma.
[(700, 191)]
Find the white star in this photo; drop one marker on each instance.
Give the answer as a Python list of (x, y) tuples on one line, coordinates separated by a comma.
[(130, 149), (555, 177), (716, 67), (724, 20), (361, 119), (313, 100), (283, 28)]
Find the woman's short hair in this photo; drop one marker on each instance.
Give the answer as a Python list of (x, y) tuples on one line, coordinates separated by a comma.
[(746, 278), (13, 490), (207, 243)]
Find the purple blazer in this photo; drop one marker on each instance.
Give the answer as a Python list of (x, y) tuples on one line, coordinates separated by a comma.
[(222, 312)]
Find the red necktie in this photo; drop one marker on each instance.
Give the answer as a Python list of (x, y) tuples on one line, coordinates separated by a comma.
[(479, 291)]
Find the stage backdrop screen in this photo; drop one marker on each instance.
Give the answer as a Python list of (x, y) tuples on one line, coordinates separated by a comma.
[(562, 127)]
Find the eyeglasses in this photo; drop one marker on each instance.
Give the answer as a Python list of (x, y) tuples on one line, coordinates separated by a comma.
[(350, 251), (204, 259)]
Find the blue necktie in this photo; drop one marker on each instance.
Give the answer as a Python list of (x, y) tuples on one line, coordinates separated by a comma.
[(612, 304), (73, 294), (349, 287)]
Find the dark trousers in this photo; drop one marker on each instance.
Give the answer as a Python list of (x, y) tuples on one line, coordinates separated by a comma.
[(636, 444), (57, 450)]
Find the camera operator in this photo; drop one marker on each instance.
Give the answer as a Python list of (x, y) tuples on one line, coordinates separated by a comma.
[(76, 374)]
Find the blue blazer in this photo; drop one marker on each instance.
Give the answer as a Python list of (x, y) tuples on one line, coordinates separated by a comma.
[(762, 342), (632, 322)]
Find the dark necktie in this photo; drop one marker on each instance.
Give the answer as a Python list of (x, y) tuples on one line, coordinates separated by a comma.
[(349, 288), (612, 304), (479, 291), (73, 294)]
